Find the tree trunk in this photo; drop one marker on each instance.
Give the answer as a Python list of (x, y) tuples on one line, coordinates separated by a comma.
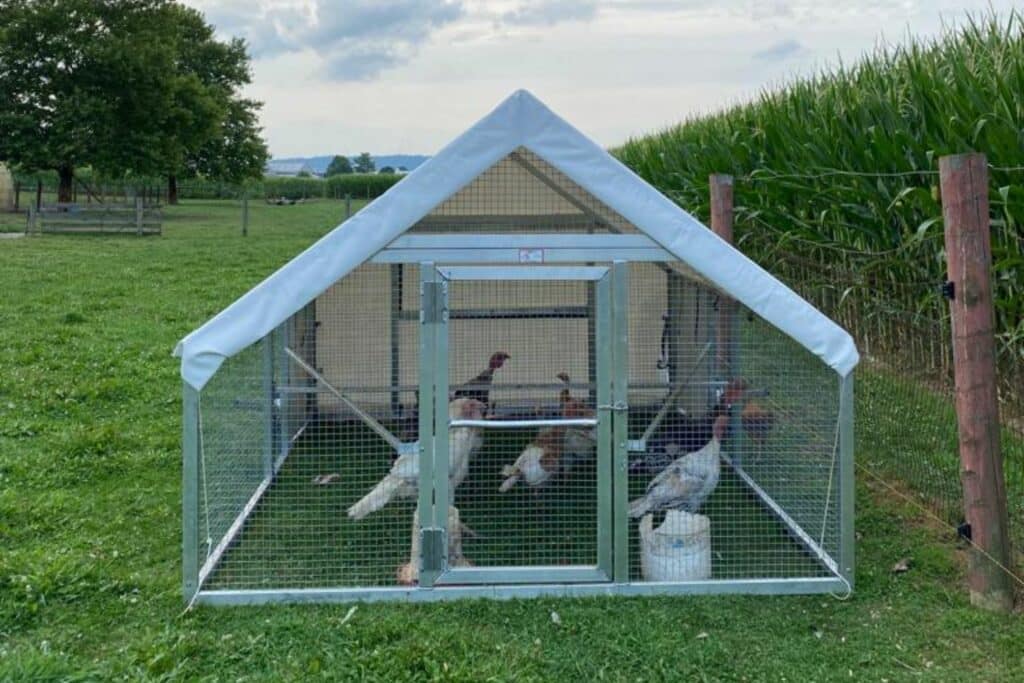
[(67, 178), (172, 189)]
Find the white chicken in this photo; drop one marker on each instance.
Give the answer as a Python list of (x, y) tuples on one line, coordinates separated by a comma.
[(539, 461), (688, 481), (408, 574), (403, 479)]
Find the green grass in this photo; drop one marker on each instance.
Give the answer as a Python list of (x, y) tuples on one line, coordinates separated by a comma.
[(90, 520)]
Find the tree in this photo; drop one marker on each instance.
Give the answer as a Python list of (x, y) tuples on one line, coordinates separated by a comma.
[(236, 152), (386, 169), (339, 165), (364, 163), (129, 87), (79, 82), (206, 109)]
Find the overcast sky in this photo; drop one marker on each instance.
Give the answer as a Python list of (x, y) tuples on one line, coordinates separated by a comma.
[(406, 76)]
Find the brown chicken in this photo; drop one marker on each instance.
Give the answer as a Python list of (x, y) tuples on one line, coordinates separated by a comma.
[(579, 441), (757, 423), (479, 387)]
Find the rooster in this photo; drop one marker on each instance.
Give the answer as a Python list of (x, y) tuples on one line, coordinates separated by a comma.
[(757, 422), (579, 441), (403, 479), (683, 433), (539, 461), (479, 388), (688, 481)]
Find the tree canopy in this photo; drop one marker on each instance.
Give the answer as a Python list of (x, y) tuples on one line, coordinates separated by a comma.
[(339, 165), (364, 163), (139, 87)]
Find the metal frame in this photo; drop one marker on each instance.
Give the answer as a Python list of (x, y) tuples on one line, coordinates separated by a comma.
[(507, 592), (522, 248), (610, 576), (190, 492), (846, 484), (599, 572)]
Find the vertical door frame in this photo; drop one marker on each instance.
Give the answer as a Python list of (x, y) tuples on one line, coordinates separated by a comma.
[(435, 537)]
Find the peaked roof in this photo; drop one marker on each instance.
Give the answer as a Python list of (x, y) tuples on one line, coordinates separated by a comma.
[(520, 121)]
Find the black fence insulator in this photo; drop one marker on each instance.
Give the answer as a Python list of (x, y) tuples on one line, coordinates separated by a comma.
[(948, 290)]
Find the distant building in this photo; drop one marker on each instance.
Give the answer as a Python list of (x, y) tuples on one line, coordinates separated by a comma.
[(289, 169)]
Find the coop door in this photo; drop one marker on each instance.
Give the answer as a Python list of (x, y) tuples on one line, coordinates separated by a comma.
[(520, 360)]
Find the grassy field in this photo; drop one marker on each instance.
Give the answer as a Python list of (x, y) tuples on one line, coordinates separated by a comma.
[(90, 520)]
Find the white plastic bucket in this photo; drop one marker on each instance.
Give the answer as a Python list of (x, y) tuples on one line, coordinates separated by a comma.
[(678, 550)]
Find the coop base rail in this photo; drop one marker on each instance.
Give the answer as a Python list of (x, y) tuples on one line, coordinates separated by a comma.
[(815, 585)]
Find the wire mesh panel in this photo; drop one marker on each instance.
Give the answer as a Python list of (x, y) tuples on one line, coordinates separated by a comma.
[(303, 429), (766, 505), (520, 351)]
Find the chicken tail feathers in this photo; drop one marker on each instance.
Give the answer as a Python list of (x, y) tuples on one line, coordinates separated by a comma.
[(380, 496), (512, 475), (639, 507)]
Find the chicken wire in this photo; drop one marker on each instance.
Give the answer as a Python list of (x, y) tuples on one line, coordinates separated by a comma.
[(308, 442), (273, 430)]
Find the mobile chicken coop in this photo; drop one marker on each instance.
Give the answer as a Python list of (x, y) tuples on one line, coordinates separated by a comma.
[(522, 371)]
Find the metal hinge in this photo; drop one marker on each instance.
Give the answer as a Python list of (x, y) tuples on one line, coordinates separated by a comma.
[(432, 547), (433, 302)]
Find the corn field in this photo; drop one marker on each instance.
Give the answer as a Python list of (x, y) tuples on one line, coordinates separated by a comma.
[(837, 192)]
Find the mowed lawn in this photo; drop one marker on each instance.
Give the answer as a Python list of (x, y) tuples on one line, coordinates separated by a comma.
[(90, 520)]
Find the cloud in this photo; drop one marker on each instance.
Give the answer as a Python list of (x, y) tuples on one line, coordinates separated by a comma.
[(356, 41), (780, 51), (550, 12)]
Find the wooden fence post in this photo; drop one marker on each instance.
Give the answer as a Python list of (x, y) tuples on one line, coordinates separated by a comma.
[(17, 196), (245, 214), (348, 206), (138, 215), (721, 225), (39, 194), (965, 210)]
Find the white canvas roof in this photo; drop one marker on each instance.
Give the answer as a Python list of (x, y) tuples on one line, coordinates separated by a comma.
[(519, 121)]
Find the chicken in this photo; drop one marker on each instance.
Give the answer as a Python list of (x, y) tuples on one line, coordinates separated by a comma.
[(579, 441), (684, 433), (757, 422), (539, 461), (403, 479), (688, 481), (409, 573), (479, 388)]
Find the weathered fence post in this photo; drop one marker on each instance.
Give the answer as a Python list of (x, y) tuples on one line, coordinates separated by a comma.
[(348, 206), (17, 195), (39, 194), (721, 224), (964, 186), (138, 215), (245, 214)]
